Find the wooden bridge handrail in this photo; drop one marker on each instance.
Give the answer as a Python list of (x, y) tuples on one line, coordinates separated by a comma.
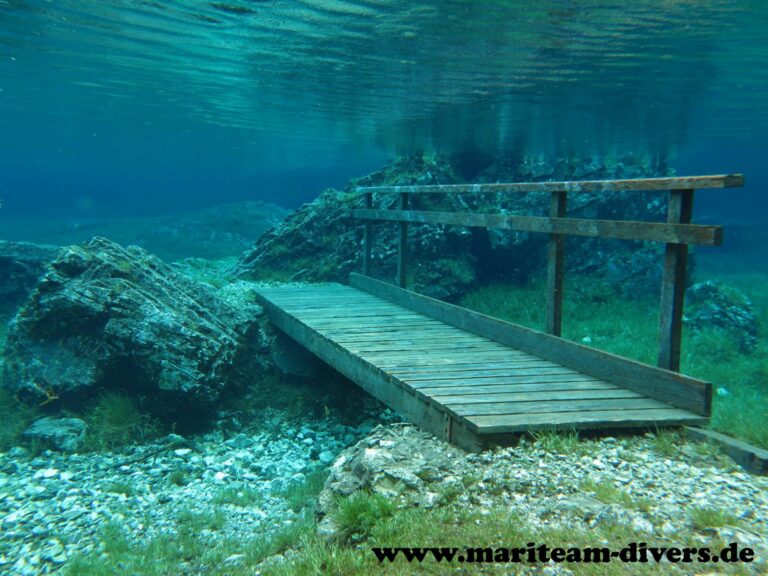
[(677, 232), (637, 184), (704, 235)]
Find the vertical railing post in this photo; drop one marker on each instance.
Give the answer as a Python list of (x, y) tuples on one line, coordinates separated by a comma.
[(679, 211), (556, 266), (402, 246), (367, 237)]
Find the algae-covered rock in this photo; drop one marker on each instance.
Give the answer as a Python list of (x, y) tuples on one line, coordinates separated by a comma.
[(104, 316), (66, 434), (714, 305), (21, 265), (321, 241), (398, 461)]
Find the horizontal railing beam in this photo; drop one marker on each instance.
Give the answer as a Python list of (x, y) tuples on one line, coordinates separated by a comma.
[(670, 183), (704, 235)]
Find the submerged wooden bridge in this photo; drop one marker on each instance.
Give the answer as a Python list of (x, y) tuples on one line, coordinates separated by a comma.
[(475, 380)]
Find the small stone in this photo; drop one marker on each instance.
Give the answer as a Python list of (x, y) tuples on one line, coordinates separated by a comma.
[(326, 457), (642, 525), (239, 442), (18, 452), (46, 473), (66, 434), (182, 452)]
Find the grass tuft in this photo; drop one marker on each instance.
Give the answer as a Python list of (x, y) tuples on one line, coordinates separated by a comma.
[(178, 478), (238, 496), (704, 518), (607, 493), (303, 494), (357, 514), (115, 420)]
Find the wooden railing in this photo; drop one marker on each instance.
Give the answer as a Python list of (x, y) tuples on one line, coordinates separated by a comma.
[(677, 233)]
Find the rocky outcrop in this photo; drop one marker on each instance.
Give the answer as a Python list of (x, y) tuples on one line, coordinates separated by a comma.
[(321, 242), (21, 265), (108, 317), (713, 305), (399, 462)]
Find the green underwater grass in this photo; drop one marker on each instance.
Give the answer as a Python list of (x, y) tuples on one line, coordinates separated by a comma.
[(629, 327)]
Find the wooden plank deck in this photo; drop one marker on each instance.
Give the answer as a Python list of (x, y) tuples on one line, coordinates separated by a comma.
[(466, 387)]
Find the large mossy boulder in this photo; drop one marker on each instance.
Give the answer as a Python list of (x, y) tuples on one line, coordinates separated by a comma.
[(108, 317), (322, 242)]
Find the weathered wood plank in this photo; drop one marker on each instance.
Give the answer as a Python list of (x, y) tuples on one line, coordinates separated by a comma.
[(695, 182), (508, 368), (751, 458), (489, 390), (556, 267), (386, 349), (421, 329), (705, 235), (680, 210), (367, 238), (554, 406), (545, 379), (580, 420), (539, 396), (537, 375), (676, 389), (518, 370), (402, 246), (444, 357)]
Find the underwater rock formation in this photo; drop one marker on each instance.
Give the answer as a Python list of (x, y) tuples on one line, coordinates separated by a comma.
[(21, 265), (108, 317), (66, 434), (320, 241), (393, 461), (714, 305)]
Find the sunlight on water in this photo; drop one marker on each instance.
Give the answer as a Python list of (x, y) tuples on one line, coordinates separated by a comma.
[(575, 77)]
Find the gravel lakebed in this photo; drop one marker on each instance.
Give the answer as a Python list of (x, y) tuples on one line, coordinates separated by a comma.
[(55, 505)]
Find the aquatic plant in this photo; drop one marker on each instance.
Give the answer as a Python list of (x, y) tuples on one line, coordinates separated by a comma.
[(302, 494), (187, 547), (115, 420), (607, 493), (666, 442), (238, 496), (557, 441), (357, 514), (119, 488), (197, 521), (178, 478), (703, 518)]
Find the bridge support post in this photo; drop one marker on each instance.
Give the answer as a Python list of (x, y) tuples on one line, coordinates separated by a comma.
[(402, 246), (556, 267), (367, 237), (679, 211)]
